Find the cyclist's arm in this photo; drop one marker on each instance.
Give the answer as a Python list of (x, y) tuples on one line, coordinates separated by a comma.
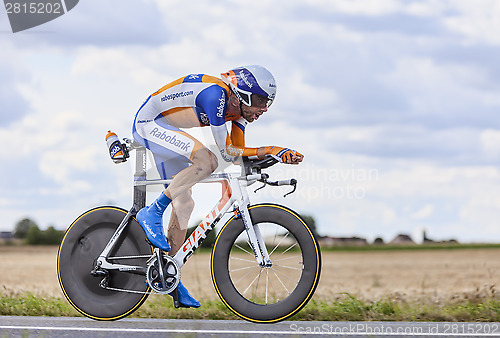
[(236, 145), (238, 132), (232, 146), (213, 101)]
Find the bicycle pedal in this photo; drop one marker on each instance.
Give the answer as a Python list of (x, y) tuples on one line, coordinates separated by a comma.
[(175, 296), (147, 241), (182, 306)]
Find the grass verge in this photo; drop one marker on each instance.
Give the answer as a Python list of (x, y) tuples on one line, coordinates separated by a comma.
[(345, 308)]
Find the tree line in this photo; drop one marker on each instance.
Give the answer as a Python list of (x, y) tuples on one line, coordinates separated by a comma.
[(209, 241), (29, 231)]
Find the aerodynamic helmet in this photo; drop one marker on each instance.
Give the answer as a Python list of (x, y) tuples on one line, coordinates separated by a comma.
[(248, 80)]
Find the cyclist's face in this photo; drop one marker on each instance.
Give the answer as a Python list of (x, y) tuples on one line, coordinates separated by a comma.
[(259, 107)]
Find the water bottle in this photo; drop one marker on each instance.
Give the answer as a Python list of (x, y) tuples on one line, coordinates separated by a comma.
[(116, 149)]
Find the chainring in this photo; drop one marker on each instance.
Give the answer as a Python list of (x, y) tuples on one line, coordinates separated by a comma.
[(171, 275)]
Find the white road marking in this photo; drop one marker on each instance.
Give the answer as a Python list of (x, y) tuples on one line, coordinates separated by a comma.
[(232, 332)]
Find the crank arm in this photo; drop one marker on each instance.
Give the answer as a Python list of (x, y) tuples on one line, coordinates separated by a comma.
[(160, 265), (102, 263)]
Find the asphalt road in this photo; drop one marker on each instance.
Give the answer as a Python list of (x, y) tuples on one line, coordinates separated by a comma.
[(11, 326)]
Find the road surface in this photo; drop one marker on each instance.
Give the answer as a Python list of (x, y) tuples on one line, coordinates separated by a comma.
[(16, 326)]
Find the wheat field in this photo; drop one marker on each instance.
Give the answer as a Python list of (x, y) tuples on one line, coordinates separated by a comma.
[(435, 275)]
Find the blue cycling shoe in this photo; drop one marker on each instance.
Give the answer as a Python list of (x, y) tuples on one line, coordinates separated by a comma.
[(151, 220), (185, 299), (153, 226)]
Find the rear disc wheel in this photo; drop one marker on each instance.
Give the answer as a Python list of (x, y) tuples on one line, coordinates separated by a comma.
[(82, 243)]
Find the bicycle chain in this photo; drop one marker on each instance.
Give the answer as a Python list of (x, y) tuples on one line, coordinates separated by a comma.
[(102, 285), (129, 257), (104, 281)]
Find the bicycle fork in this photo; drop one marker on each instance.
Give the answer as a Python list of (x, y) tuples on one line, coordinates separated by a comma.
[(255, 238), (253, 232)]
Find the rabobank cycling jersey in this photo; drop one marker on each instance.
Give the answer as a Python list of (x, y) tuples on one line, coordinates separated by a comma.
[(205, 94), (196, 100)]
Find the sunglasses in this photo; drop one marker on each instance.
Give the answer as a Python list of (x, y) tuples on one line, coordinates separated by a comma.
[(250, 99)]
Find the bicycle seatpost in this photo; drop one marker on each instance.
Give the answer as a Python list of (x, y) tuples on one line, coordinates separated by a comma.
[(140, 175)]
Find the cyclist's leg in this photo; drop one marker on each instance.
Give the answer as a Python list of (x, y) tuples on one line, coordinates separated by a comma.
[(204, 164), (182, 207), (174, 151)]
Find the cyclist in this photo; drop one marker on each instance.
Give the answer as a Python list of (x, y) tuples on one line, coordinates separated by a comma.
[(241, 96)]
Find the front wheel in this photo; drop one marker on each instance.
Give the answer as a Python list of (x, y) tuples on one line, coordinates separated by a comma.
[(82, 244), (266, 294)]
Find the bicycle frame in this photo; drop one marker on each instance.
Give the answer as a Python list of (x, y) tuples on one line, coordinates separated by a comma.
[(234, 194)]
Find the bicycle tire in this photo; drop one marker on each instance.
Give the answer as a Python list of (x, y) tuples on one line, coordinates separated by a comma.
[(303, 258), (81, 245)]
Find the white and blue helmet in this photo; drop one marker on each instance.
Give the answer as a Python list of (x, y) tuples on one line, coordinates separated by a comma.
[(248, 80)]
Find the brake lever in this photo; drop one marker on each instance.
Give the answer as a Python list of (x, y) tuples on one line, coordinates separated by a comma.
[(293, 182), (263, 185), (263, 179)]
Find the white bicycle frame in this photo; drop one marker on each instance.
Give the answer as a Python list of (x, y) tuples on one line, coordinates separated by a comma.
[(234, 194)]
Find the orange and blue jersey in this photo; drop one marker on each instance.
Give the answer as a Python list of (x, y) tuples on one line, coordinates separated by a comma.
[(196, 100), (205, 94)]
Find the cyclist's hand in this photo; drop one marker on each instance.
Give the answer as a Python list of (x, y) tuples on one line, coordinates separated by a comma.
[(286, 155)]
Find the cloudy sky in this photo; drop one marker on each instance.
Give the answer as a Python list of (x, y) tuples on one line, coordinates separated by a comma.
[(395, 105)]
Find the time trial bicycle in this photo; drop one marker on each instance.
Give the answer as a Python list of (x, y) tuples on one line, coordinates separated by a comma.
[(265, 262)]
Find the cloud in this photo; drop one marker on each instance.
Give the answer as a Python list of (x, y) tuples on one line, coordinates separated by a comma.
[(357, 7), (355, 193), (490, 143), (402, 92), (98, 23), (12, 75), (13, 105), (445, 146), (423, 213), (477, 21), (445, 95)]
